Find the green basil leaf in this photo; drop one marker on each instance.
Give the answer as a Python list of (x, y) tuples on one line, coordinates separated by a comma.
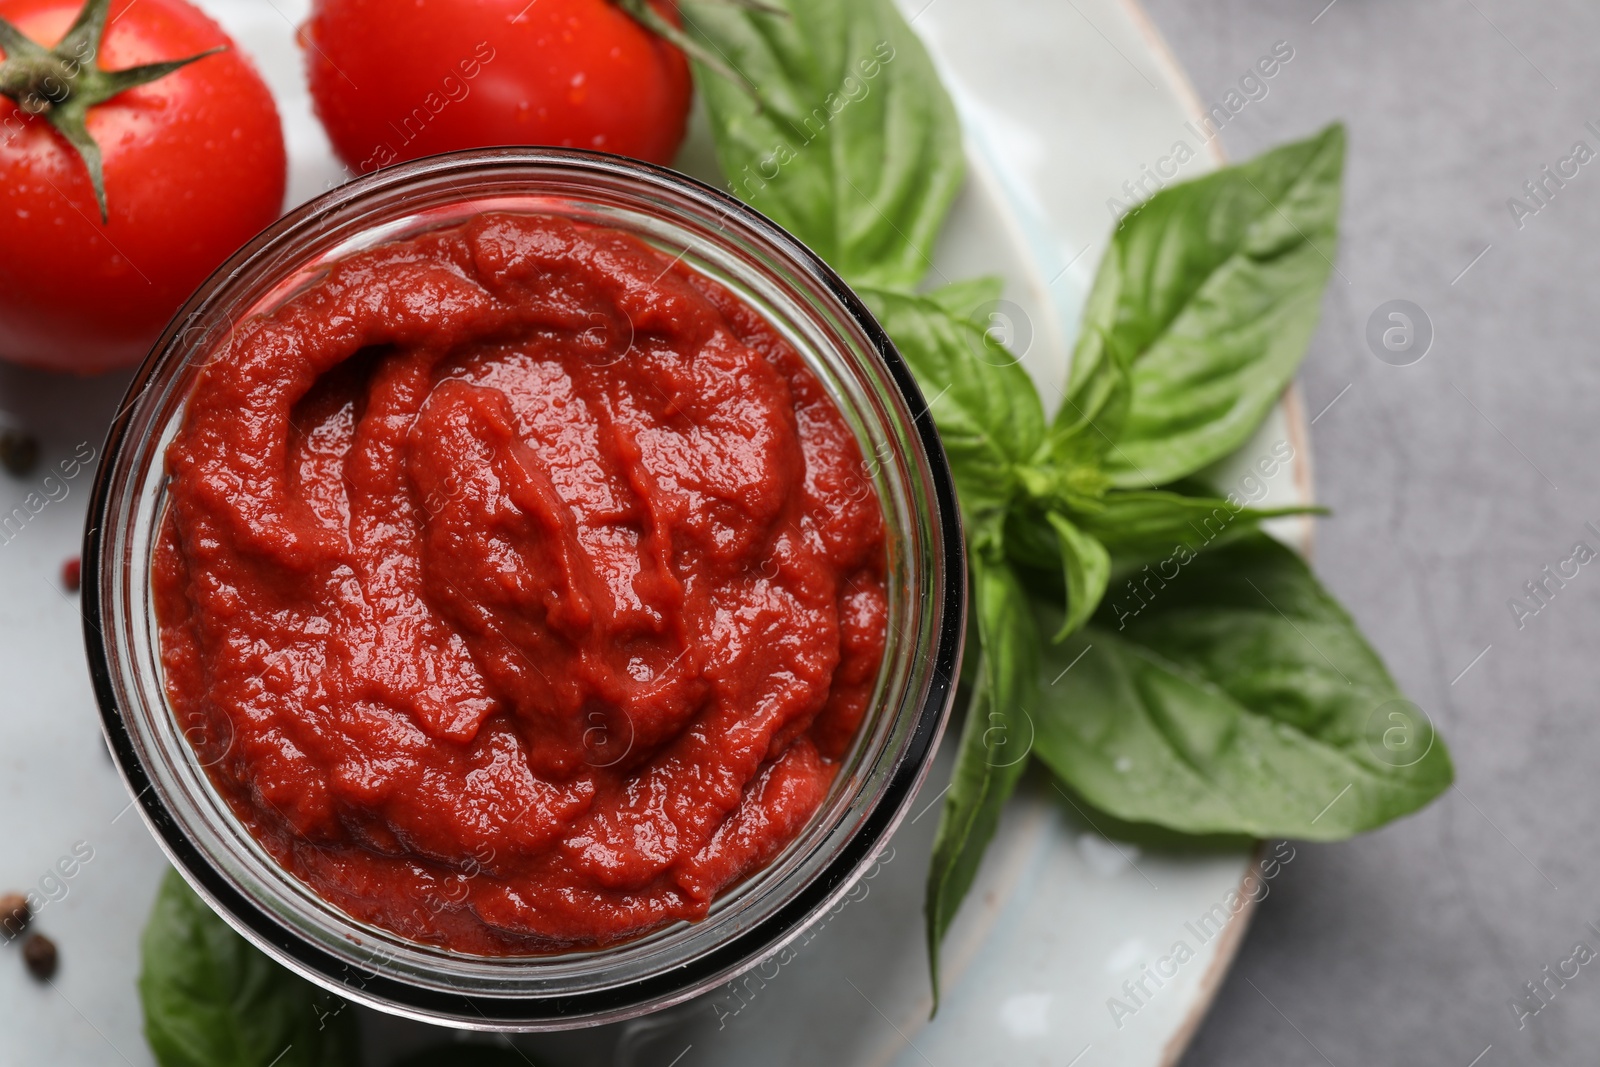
[(1087, 566), (854, 147), (992, 753), (211, 999), (1240, 698), (1099, 389), (1207, 297), (1150, 524), (984, 403), (965, 299)]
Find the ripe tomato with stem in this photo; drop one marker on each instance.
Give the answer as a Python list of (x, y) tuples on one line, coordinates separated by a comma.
[(138, 149), (394, 81)]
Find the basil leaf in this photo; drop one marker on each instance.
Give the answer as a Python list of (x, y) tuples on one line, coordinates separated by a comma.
[(854, 147), (992, 753), (1241, 698), (1146, 524), (1099, 390), (211, 999), (983, 402), (1207, 296), (965, 299), (1087, 567)]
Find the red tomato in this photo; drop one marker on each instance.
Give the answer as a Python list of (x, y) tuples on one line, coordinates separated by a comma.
[(396, 81), (194, 167)]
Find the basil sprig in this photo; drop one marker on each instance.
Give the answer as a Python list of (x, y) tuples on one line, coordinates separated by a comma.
[(212, 999), (848, 141), (993, 752), (1219, 688), (1201, 311), (987, 410), (1242, 700)]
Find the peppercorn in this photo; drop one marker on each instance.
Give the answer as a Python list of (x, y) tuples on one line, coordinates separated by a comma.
[(39, 953), (19, 452), (14, 914)]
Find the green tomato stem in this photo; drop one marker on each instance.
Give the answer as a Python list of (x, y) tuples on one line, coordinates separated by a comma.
[(60, 85)]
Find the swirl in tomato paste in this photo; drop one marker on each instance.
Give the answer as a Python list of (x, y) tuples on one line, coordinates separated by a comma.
[(518, 585)]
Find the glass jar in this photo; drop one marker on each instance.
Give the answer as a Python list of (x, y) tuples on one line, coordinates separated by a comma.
[(847, 351)]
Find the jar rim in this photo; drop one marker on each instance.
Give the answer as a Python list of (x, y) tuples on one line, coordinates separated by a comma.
[(110, 631)]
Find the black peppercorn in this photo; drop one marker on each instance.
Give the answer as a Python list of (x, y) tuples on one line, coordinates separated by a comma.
[(19, 453), (39, 953)]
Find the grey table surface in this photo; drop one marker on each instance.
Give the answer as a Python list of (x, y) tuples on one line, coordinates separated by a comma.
[(1454, 481)]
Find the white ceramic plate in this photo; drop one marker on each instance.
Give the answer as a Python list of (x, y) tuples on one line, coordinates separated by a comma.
[(1061, 104)]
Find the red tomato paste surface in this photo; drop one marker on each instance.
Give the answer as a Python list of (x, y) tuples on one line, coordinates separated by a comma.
[(519, 586)]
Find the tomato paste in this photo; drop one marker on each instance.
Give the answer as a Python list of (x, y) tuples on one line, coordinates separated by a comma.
[(519, 586)]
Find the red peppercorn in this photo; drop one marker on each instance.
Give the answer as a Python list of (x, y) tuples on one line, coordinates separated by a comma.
[(14, 914), (72, 574)]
